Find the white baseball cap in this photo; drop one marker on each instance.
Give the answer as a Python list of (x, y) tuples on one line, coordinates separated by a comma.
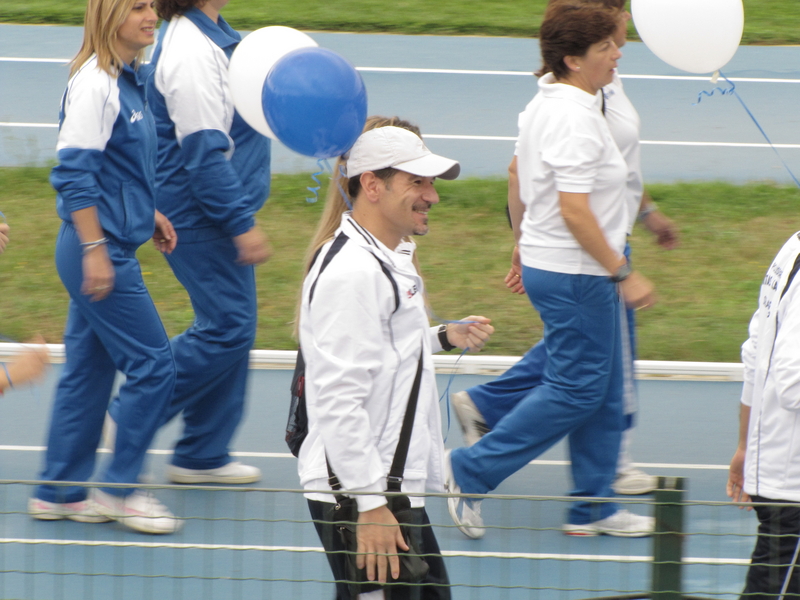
[(399, 148)]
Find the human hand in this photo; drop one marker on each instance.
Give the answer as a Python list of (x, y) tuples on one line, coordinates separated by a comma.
[(4, 229), (98, 274), (663, 228), (164, 237), (514, 278), (637, 291), (473, 333), (253, 246), (30, 364), (379, 537), (734, 488)]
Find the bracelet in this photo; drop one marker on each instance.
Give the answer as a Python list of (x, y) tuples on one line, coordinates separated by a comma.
[(87, 247), (442, 334), (8, 377), (650, 208)]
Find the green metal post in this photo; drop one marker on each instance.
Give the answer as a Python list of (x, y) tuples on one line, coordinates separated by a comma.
[(668, 539)]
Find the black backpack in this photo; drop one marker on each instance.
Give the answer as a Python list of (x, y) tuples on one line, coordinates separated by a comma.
[(297, 425)]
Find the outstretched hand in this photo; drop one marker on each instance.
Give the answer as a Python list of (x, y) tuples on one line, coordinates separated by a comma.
[(472, 334), (4, 229)]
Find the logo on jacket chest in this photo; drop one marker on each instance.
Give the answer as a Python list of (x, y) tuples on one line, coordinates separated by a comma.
[(136, 115), (412, 291)]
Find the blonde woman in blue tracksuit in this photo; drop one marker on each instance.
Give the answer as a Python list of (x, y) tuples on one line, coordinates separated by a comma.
[(212, 177), (105, 182)]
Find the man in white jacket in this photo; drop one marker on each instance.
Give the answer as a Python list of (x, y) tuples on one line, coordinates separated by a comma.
[(363, 328), (766, 466)]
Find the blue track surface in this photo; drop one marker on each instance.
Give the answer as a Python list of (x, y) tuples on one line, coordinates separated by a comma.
[(475, 104), (689, 425)]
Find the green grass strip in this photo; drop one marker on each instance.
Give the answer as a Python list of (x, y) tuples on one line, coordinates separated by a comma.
[(707, 288), (766, 21)]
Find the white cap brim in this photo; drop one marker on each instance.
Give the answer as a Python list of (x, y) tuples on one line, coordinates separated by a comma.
[(431, 165)]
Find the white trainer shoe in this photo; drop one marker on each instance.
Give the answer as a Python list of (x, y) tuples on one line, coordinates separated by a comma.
[(634, 482), (472, 422), (139, 511), (233, 472), (83, 511), (622, 523), (465, 512)]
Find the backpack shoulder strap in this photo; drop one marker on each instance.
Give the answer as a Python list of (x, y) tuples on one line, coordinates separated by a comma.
[(337, 245)]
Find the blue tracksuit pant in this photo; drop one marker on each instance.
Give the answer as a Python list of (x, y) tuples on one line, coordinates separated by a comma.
[(580, 396), (211, 356), (496, 398), (123, 333)]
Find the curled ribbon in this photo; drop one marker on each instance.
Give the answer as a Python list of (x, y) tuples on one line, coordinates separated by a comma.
[(731, 91), (323, 166)]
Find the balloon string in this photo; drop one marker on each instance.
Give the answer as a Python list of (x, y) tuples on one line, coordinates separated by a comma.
[(731, 91), (323, 166), (446, 393), (342, 176)]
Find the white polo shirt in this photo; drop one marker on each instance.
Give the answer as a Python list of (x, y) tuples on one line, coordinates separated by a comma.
[(565, 145)]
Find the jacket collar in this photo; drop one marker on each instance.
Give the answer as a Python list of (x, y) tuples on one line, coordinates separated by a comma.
[(220, 32), (399, 258), (551, 88)]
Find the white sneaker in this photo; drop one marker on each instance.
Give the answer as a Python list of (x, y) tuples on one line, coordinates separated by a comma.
[(634, 482), (139, 511), (233, 472), (83, 511), (466, 513), (472, 422), (622, 523)]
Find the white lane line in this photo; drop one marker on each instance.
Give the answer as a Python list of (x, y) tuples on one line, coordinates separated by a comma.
[(545, 463), (317, 549), (61, 61), (477, 72), (508, 138), (46, 125)]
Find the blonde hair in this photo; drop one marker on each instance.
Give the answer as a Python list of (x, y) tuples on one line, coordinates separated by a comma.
[(336, 202), (100, 26)]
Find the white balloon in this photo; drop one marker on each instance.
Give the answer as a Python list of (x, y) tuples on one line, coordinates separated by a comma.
[(251, 62), (699, 36)]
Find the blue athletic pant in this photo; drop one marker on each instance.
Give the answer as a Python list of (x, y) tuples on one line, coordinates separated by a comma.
[(580, 396), (122, 332), (211, 356), (496, 398)]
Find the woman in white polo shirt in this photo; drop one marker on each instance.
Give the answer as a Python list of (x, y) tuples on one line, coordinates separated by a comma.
[(567, 196)]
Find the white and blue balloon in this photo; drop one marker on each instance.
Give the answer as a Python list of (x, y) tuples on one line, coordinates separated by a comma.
[(288, 88), (699, 36)]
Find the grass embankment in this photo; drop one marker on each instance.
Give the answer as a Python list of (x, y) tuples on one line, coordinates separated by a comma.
[(766, 21), (707, 288)]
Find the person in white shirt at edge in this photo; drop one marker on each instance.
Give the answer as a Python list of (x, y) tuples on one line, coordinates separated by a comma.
[(766, 465), (362, 345), (570, 218), (480, 407)]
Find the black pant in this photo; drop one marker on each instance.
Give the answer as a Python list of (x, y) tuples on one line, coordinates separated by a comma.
[(322, 514), (778, 531)]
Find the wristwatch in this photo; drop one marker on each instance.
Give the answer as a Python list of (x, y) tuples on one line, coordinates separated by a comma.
[(442, 333), (622, 273)]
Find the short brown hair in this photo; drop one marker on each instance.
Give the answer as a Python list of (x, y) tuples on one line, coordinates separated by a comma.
[(569, 28), (167, 9)]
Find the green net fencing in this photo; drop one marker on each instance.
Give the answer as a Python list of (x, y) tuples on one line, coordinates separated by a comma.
[(261, 543)]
